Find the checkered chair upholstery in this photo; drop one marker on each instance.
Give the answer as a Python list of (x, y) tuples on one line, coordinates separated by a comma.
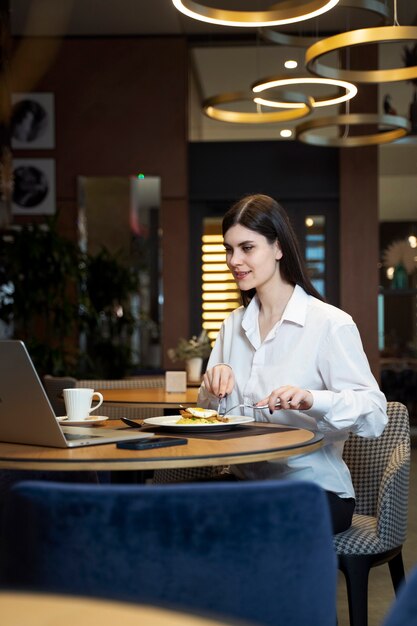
[(115, 410), (55, 384), (380, 473)]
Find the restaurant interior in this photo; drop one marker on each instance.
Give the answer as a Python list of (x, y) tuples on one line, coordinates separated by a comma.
[(128, 129)]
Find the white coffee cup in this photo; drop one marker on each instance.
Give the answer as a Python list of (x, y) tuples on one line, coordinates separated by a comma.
[(78, 403)]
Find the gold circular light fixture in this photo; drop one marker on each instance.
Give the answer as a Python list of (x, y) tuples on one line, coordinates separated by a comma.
[(271, 82), (378, 7), (286, 12), (381, 35), (212, 108), (396, 127)]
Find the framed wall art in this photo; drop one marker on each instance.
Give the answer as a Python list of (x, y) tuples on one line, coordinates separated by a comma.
[(34, 187), (32, 121)]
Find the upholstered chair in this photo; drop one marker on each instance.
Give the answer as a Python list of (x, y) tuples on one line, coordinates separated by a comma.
[(260, 552), (380, 472), (403, 611)]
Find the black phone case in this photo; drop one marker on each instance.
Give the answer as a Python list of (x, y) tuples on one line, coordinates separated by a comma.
[(145, 444)]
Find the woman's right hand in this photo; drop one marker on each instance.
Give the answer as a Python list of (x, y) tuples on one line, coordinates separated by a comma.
[(219, 380)]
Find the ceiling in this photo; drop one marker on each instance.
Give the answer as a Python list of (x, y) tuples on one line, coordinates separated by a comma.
[(229, 59), (157, 17)]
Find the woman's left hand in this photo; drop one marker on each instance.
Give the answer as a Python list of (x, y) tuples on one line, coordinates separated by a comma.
[(288, 397)]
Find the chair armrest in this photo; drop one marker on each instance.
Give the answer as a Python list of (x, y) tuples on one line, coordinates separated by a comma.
[(392, 505)]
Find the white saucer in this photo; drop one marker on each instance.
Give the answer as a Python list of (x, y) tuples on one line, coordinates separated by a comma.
[(92, 420)]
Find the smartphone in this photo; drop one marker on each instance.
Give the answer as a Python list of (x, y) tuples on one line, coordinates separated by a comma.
[(150, 442)]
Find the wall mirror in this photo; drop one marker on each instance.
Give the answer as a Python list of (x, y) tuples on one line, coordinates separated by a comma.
[(118, 226)]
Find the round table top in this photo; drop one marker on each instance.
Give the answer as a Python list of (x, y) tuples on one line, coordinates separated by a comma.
[(40, 609), (281, 443)]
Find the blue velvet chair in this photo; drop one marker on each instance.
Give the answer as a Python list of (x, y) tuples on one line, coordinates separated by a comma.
[(256, 551), (404, 609)]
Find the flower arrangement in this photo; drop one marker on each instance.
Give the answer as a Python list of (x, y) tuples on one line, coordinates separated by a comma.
[(400, 253), (190, 348)]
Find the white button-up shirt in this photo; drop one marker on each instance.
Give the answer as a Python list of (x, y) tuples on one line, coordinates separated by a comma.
[(314, 346)]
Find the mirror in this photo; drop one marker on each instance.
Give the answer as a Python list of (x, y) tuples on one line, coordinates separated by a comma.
[(121, 216)]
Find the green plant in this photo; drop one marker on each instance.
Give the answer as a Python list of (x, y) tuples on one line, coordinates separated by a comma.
[(107, 322), (39, 277), (189, 348), (51, 295)]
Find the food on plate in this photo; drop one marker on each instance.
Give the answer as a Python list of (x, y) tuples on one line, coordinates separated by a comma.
[(197, 415)]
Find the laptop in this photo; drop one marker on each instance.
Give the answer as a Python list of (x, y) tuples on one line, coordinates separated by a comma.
[(26, 415)]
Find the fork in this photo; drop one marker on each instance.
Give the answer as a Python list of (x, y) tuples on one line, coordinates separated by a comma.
[(245, 404)]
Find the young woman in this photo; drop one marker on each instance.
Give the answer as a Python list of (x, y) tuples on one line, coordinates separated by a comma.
[(287, 347)]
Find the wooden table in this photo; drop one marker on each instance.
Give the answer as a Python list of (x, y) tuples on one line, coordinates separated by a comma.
[(29, 609), (156, 398), (197, 453)]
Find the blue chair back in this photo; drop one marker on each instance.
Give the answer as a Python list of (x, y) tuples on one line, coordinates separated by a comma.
[(257, 551), (403, 611)]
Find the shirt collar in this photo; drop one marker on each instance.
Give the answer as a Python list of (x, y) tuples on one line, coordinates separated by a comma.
[(295, 311)]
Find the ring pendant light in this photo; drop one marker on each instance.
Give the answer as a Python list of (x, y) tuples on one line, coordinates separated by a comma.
[(396, 128), (377, 7), (287, 12), (381, 35), (265, 84), (212, 108)]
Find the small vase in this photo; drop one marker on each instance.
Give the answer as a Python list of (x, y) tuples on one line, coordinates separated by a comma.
[(400, 278), (193, 368)]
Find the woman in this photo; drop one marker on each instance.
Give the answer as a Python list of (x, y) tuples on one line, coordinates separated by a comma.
[(287, 347)]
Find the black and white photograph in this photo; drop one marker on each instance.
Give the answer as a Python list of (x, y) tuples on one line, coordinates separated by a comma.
[(34, 187), (32, 121)]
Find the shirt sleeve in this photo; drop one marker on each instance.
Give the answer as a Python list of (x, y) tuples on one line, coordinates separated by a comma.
[(206, 399), (351, 398)]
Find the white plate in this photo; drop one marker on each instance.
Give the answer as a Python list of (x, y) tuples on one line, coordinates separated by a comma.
[(170, 422), (92, 420)]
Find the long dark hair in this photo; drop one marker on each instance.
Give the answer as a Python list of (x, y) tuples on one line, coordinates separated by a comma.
[(265, 216)]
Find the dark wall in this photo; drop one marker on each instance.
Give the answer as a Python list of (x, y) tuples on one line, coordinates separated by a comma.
[(285, 170), (304, 179), (120, 109)]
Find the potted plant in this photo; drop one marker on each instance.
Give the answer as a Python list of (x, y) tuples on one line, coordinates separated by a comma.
[(39, 277), (51, 294), (107, 323), (192, 352), (410, 60)]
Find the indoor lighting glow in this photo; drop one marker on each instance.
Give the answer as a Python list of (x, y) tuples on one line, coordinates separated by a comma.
[(215, 267), (216, 258), (309, 222), (379, 8), (230, 295), (221, 315), (212, 247), (412, 240), (389, 128), (290, 64), (282, 81), (219, 306), (212, 325), (299, 104), (344, 41), (289, 13), (218, 286), (215, 276), (390, 273), (285, 132), (212, 238)]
